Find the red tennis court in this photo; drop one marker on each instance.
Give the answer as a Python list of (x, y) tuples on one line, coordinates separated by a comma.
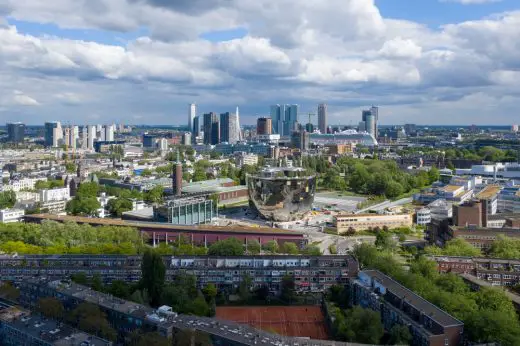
[(303, 321)]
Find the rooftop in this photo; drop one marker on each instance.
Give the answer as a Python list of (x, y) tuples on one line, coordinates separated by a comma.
[(427, 308), (106, 300), (488, 192), (50, 331), (162, 226), (451, 188)]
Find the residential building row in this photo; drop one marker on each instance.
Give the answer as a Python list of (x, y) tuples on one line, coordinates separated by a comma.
[(310, 273), (496, 271), (428, 324), (21, 327)]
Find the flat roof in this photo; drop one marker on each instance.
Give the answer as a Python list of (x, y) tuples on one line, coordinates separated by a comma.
[(452, 188), (515, 298), (370, 215), (434, 312), (163, 226), (108, 301), (50, 331), (489, 192)]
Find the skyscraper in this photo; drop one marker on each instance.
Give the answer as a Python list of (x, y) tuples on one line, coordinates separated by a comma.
[(291, 119), (277, 116), (369, 117), (15, 132), (284, 119), (53, 133), (375, 112), (92, 132), (192, 113), (109, 133), (322, 118), (211, 128), (264, 126), (229, 128), (239, 129)]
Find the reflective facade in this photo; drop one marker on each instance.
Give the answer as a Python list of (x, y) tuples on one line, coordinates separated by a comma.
[(281, 194)]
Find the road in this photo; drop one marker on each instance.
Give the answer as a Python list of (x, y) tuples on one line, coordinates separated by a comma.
[(313, 231), (386, 204)]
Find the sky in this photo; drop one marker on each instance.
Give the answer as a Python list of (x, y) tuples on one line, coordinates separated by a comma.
[(450, 62)]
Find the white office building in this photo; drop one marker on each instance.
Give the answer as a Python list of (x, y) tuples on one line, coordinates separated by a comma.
[(51, 195), (21, 184), (11, 215)]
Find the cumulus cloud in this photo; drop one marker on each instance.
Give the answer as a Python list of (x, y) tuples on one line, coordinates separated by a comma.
[(19, 98), (343, 51)]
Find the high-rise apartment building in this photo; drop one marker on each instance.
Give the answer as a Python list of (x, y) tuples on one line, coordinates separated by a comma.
[(15, 132), (229, 128), (91, 136), (322, 118), (264, 126), (211, 128), (109, 133), (192, 113)]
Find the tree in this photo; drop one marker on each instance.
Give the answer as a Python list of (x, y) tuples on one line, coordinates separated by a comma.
[(455, 247), (227, 247), (288, 289), (489, 326), (51, 307), (88, 190), (118, 206), (146, 173), (155, 195), (199, 174), (433, 175), (9, 292), (85, 206), (361, 325), (199, 306), (153, 276), (210, 292), (312, 250), (289, 248), (244, 290), (89, 318), (7, 199), (385, 241), (70, 167), (393, 189), (400, 335), (119, 289), (253, 246), (271, 246)]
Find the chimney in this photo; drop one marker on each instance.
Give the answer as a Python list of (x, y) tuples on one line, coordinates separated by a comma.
[(177, 176)]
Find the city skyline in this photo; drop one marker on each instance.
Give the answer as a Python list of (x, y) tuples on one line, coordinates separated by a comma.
[(441, 62)]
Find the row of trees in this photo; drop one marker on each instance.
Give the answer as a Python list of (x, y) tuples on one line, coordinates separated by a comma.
[(51, 237), (234, 247), (488, 314), (369, 177), (503, 247)]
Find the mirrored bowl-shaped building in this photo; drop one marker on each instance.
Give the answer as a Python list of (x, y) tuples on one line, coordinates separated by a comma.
[(281, 193)]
